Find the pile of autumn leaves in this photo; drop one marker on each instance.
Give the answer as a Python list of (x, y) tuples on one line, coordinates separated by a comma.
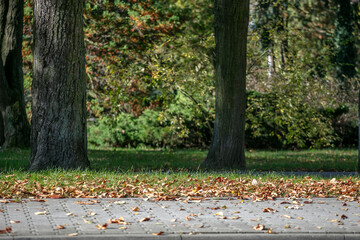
[(173, 187)]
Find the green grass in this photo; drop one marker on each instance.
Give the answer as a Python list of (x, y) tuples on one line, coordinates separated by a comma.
[(150, 173), (124, 160)]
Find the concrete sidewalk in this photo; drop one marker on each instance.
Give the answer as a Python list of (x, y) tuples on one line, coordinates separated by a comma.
[(190, 219)]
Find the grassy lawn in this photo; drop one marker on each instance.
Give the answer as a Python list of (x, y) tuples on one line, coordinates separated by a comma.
[(124, 160), (172, 174)]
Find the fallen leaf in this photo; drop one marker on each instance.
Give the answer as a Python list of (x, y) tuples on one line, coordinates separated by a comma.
[(287, 226), (188, 218), (201, 226), (301, 218), (6, 230), (102, 227), (73, 234), (85, 203), (259, 227), (173, 220), (144, 219), (55, 196), (135, 209), (41, 213), (12, 221), (269, 210), (343, 216), (285, 203), (286, 216), (119, 202), (214, 208), (87, 221), (92, 213), (269, 231), (60, 227), (319, 227), (236, 217), (119, 220), (158, 233), (255, 220)]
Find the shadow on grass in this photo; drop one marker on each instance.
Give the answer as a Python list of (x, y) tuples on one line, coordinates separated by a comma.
[(143, 160)]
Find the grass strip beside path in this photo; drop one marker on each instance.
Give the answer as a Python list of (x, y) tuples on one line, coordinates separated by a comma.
[(135, 160)]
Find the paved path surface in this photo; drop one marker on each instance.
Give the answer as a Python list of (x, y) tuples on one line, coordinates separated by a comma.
[(206, 219)]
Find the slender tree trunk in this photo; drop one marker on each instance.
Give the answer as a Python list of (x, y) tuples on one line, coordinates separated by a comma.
[(14, 127), (358, 166), (231, 24), (58, 124)]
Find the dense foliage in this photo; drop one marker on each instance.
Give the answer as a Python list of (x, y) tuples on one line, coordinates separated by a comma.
[(150, 73)]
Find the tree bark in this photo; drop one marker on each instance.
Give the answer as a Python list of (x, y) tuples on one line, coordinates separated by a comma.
[(58, 124), (14, 127), (231, 25)]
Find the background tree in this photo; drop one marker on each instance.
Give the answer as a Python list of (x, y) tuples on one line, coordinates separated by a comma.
[(231, 26), (58, 124), (345, 57), (14, 127)]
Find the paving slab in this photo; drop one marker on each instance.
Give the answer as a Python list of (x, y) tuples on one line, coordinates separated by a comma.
[(317, 218)]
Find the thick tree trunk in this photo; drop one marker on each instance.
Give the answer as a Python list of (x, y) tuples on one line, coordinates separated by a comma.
[(58, 124), (14, 127), (231, 24)]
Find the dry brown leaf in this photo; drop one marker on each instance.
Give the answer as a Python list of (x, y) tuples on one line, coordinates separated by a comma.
[(6, 230), (300, 218), (188, 218), (41, 213), (269, 210), (14, 221), (102, 227), (135, 209), (144, 219), (259, 227), (55, 196), (236, 217), (60, 227), (343, 216), (158, 233)]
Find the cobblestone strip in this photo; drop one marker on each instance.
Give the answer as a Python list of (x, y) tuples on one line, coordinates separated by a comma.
[(29, 219), (72, 219)]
